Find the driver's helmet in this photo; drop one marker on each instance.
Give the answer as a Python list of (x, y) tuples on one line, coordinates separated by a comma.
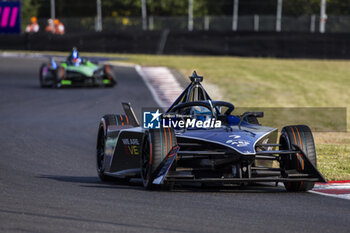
[(201, 113), (75, 58)]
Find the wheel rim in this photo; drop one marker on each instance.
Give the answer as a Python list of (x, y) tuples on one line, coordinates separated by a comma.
[(145, 161)]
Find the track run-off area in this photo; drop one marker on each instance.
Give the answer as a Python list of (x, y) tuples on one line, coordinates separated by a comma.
[(48, 180)]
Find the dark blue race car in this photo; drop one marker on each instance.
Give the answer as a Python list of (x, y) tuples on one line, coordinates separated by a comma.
[(198, 140)]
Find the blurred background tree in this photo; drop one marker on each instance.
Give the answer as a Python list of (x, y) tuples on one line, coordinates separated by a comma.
[(30, 8), (87, 8), (338, 7)]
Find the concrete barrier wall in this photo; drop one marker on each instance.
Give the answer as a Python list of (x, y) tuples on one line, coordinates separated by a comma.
[(252, 44)]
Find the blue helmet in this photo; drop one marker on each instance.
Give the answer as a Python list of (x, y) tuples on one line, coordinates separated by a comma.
[(75, 54)]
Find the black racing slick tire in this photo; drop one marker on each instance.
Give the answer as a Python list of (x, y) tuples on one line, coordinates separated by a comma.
[(106, 122), (156, 145), (301, 136), (41, 76)]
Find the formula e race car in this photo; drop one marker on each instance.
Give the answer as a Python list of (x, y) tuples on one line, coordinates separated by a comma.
[(67, 73), (198, 140)]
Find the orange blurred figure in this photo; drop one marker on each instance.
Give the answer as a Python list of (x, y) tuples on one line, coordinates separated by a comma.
[(33, 27), (59, 27)]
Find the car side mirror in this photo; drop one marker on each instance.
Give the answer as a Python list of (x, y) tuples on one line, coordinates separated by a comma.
[(246, 114)]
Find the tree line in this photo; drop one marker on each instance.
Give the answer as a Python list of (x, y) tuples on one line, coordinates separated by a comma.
[(114, 8)]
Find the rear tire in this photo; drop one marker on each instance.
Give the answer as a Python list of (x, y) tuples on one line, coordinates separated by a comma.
[(301, 136), (110, 120), (157, 144)]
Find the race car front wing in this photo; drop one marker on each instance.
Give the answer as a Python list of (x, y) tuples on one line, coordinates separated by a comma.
[(167, 171)]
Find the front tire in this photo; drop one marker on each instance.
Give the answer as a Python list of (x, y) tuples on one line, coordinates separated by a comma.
[(301, 136), (157, 144)]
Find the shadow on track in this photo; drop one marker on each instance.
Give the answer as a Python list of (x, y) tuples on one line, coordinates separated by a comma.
[(136, 184), (93, 182), (73, 179), (256, 188)]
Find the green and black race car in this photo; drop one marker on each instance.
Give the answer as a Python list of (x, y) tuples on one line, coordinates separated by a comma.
[(75, 71)]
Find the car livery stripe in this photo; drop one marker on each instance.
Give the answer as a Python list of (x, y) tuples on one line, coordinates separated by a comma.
[(121, 118), (127, 119), (172, 152), (66, 82)]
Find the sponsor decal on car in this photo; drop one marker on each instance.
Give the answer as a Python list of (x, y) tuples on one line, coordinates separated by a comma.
[(132, 150), (234, 136), (153, 120), (238, 143), (131, 141), (131, 146)]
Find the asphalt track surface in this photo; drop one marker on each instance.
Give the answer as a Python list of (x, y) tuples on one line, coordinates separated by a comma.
[(48, 180)]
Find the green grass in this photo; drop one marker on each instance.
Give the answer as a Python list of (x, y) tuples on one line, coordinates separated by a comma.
[(252, 82), (334, 160)]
